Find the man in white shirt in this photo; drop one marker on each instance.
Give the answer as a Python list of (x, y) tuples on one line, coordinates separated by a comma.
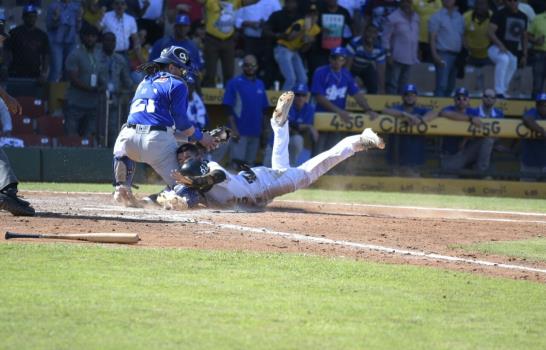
[(122, 25)]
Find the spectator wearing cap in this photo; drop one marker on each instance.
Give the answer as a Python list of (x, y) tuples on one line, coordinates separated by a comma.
[(367, 60), (336, 30), (63, 22), (407, 152), (537, 37), (330, 86), (507, 32), (301, 122), (425, 9), (401, 42), (87, 84), (446, 28), (27, 48), (533, 151), (476, 39), (118, 80), (485, 145), (180, 38), (246, 103), (220, 39), (459, 152), (123, 26), (250, 20)]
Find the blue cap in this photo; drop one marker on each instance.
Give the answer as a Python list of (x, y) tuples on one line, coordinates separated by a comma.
[(339, 51), (541, 97), (183, 19), (301, 89), (410, 89), (461, 91), (30, 9)]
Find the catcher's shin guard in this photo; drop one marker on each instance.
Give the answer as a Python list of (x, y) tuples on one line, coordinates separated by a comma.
[(124, 170)]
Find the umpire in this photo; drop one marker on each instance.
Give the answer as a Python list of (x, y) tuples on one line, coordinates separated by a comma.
[(158, 109), (8, 181)]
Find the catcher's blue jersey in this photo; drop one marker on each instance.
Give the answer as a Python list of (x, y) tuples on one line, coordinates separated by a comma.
[(161, 99)]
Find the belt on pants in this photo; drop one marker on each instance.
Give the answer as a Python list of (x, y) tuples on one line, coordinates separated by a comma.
[(152, 127)]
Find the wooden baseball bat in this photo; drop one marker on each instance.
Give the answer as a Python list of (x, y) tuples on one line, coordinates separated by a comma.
[(99, 237)]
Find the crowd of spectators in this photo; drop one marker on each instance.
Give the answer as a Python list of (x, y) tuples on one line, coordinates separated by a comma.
[(333, 48)]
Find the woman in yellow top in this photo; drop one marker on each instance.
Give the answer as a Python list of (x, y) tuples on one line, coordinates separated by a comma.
[(476, 40), (220, 38), (93, 12), (425, 9)]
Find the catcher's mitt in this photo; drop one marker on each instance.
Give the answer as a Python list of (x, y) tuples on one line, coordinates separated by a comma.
[(222, 134)]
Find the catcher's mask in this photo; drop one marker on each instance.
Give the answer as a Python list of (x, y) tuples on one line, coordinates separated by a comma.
[(194, 167)]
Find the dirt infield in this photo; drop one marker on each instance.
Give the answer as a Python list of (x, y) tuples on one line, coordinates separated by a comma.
[(397, 235)]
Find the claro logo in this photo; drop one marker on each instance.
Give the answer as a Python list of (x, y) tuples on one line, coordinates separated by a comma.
[(523, 131), (393, 125)]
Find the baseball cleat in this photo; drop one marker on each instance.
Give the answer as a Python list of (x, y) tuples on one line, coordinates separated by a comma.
[(15, 205), (280, 115), (370, 139), (124, 196)]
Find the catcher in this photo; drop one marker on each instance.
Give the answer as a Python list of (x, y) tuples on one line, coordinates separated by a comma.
[(208, 184)]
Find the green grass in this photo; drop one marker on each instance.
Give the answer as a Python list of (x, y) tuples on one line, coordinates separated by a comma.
[(58, 296), (369, 197), (531, 249)]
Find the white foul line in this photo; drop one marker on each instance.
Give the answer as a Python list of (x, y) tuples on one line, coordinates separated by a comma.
[(295, 236), (522, 213), (372, 247)]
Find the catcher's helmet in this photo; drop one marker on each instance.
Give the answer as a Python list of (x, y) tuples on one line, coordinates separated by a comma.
[(176, 55), (194, 167)]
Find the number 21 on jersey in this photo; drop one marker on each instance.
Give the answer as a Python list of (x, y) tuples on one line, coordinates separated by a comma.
[(141, 105)]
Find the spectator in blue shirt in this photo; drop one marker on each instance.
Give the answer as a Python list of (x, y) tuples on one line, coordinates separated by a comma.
[(330, 87), (301, 118), (409, 148), (446, 29), (368, 60), (246, 101), (181, 28), (459, 152), (487, 109), (533, 151), (63, 23)]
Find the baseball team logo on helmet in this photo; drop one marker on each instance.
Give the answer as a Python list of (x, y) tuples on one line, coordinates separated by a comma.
[(194, 167), (176, 55)]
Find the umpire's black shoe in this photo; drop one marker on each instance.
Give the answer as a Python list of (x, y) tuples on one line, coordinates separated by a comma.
[(15, 205)]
